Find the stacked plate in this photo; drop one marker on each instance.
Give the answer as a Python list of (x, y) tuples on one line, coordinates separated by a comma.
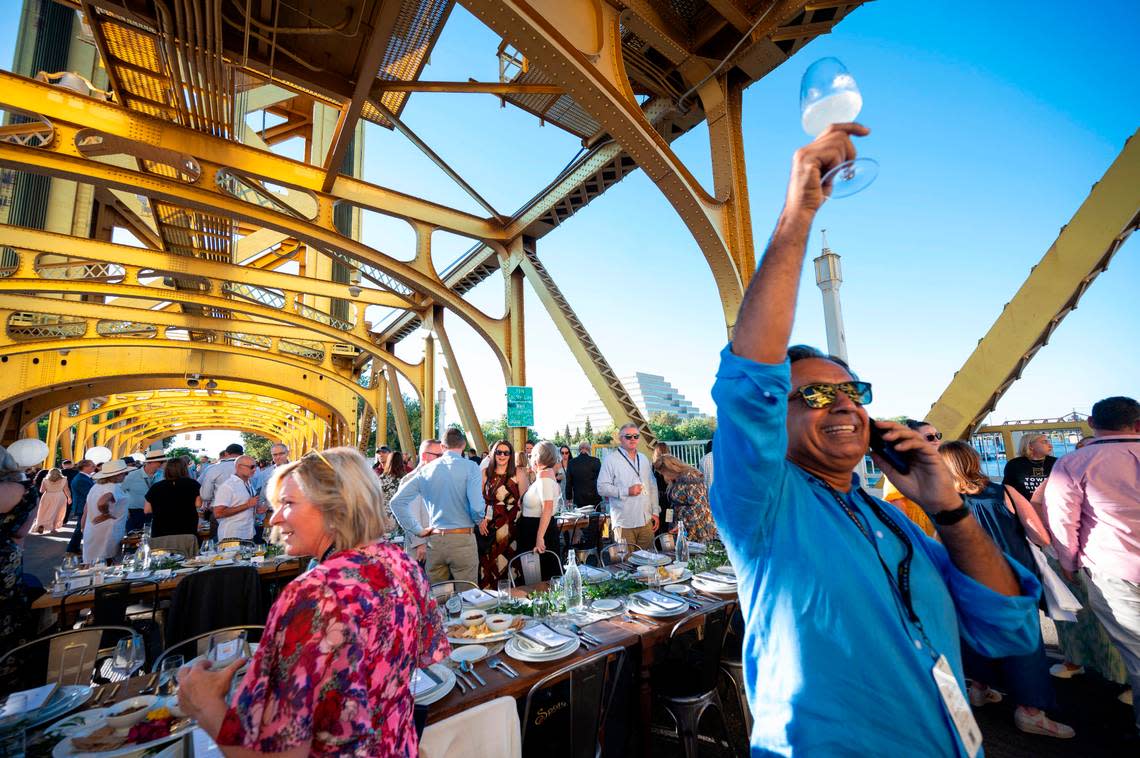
[(593, 575), (476, 598), (651, 603), (721, 580), (646, 558), (432, 684), (66, 698), (540, 643)]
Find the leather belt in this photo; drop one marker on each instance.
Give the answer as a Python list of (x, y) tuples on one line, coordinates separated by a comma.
[(465, 530)]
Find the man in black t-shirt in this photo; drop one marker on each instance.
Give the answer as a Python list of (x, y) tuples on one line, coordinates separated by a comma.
[(1028, 470)]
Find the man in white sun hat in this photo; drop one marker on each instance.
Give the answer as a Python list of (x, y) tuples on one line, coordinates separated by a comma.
[(137, 483)]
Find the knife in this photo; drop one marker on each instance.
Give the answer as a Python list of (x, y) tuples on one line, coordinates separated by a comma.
[(687, 601), (460, 675)]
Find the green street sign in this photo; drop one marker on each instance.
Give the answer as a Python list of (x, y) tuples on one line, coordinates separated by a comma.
[(520, 406)]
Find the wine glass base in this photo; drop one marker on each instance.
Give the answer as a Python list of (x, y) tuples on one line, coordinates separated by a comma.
[(853, 176)]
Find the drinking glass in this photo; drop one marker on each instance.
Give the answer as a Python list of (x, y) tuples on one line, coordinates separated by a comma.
[(208, 547), (829, 95), (168, 674), (129, 657), (224, 649), (454, 606), (504, 592)]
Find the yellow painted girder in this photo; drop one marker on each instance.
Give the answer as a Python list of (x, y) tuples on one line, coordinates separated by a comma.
[(63, 160), (180, 415), (1082, 250), (22, 238), (60, 106), (170, 399)]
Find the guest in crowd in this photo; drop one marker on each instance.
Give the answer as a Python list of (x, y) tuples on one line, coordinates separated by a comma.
[(391, 475), (69, 470), (104, 519), (706, 464), (810, 545), (688, 497), (1034, 461), (414, 544), (626, 481), (173, 502), (17, 513), (522, 470), (81, 484), (1092, 502), (333, 672), (537, 529), (55, 497), (450, 487), (667, 522), (891, 494), (235, 504), (501, 495), (137, 484), (1009, 520), (560, 469), (582, 478)]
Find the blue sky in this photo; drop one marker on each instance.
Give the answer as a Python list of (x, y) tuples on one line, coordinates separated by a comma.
[(990, 127)]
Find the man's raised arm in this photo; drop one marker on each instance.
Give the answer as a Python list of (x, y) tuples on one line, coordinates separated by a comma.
[(764, 324)]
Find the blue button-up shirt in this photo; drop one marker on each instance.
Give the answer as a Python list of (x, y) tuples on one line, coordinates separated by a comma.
[(135, 487), (832, 665), (451, 487)]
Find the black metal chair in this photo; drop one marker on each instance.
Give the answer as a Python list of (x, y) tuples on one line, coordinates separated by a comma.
[(685, 679), (732, 669), (565, 712), (72, 657), (617, 552), (215, 599), (529, 567), (200, 644)]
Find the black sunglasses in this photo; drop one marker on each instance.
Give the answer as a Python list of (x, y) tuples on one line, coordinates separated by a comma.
[(933, 437), (631, 436), (503, 452)]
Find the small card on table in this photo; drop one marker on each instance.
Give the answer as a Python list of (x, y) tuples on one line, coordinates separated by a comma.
[(545, 636)]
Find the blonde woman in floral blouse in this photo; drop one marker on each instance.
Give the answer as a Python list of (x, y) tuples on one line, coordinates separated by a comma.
[(688, 497), (333, 671)]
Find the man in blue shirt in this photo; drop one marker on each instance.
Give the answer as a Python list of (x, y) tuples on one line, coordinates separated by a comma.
[(451, 487), (81, 484), (853, 617), (136, 485)]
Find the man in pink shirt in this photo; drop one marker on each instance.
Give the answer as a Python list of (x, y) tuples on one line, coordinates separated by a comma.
[(1092, 501)]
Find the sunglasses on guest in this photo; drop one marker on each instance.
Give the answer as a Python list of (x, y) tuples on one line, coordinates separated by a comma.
[(631, 436), (822, 394), (933, 437), (502, 453)]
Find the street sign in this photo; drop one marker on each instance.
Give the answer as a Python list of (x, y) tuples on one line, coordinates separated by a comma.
[(520, 406)]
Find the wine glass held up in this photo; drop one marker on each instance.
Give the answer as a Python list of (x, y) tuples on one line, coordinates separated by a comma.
[(829, 95)]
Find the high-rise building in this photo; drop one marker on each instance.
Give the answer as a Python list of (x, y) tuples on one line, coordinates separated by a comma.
[(651, 393)]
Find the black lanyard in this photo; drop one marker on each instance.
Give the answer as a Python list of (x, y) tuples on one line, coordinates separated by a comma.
[(636, 457), (900, 584)]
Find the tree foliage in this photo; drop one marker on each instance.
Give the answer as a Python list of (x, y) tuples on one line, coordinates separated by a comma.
[(256, 446), (178, 452)]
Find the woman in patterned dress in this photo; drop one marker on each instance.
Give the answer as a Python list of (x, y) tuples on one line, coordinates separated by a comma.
[(390, 476), (333, 672), (688, 497), (17, 506), (501, 494)]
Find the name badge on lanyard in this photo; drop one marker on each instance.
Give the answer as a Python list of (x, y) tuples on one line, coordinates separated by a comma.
[(956, 705)]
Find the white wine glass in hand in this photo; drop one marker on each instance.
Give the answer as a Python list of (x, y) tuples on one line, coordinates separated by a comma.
[(829, 95)]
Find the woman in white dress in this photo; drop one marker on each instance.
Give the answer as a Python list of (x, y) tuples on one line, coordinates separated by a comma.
[(105, 514), (537, 529)]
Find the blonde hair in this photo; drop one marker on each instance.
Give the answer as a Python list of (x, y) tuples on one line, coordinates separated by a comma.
[(965, 467), (545, 454), (339, 482), (54, 475), (673, 465), (1027, 440)]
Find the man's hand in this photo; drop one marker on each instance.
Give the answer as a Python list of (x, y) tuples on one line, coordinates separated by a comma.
[(421, 553), (655, 521), (483, 527), (812, 162), (928, 483), (427, 532), (635, 489)]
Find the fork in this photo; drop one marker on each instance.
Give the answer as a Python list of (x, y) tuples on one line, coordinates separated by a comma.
[(500, 664)]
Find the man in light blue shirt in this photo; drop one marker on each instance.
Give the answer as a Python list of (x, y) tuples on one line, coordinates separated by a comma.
[(451, 487), (853, 617), (279, 453), (136, 485)]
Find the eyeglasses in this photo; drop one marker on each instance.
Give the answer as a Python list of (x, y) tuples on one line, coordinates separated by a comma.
[(502, 453), (822, 394), (631, 436), (933, 437)]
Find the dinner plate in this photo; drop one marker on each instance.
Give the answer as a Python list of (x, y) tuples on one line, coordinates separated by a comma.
[(659, 560), (593, 575), (514, 650), (696, 547), (644, 608), (480, 599), (726, 569), (66, 699), (714, 588), (439, 692), (77, 721), (496, 637), (678, 589), (685, 576), (64, 749), (606, 605), (469, 653)]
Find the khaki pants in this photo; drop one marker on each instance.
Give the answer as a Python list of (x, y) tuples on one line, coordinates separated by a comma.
[(642, 536), (452, 556)]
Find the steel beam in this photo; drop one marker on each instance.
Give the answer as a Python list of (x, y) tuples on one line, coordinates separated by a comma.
[(1055, 285), (455, 379)]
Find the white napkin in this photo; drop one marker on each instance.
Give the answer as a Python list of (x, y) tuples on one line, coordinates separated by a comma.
[(477, 598), (656, 598), (545, 636), (713, 576), (28, 700), (422, 683)]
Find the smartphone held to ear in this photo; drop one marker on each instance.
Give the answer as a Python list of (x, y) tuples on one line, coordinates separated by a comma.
[(886, 450)]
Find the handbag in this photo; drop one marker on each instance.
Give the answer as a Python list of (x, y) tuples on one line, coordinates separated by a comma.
[(1060, 602)]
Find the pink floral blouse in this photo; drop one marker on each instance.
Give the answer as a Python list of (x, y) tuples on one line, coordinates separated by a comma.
[(336, 660)]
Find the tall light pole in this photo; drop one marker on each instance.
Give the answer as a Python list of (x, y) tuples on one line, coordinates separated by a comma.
[(829, 275)]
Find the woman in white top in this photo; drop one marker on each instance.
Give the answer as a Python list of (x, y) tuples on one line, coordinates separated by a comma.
[(536, 529), (105, 514)]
